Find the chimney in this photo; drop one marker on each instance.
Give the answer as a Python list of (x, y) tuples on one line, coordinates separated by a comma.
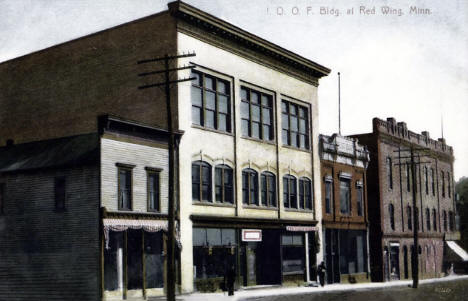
[(391, 120)]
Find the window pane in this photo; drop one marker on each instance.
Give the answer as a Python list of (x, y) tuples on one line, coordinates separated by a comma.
[(206, 193), (209, 121), (253, 97), (245, 187), (286, 192), (293, 109), (301, 194), (302, 141), (302, 126), (293, 139), (222, 104), (196, 96), (266, 132), (245, 110), (284, 107), (214, 236), (293, 123), (209, 83), (243, 94), (245, 127), (255, 130), (255, 113), (199, 236), (210, 100), (285, 137), (266, 116), (264, 190), (272, 190), (197, 80), (344, 196), (266, 101), (285, 121), (228, 237), (196, 115), (222, 87), (302, 112), (222, 122), (293, 194), (286, 239)]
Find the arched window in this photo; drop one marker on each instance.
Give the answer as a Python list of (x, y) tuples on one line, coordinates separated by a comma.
[(389, 173), (426, 180), (449, 187), (305, 193), (224, 184), (433, 181), (250, 187), (434, 220), (289, 192), (410, 218), (391, 212), (201, 181), (445, 220), (428, 219), (268, 181), (443, 183)]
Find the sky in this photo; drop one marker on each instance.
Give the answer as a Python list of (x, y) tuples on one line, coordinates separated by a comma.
[(410, 64)]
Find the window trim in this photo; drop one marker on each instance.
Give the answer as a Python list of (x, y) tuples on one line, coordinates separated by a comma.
[(129, 168), (308, 109), (200, 165), (229, 114), (223, 168), (272, 124), (250, 173), (157, 173), (267, 175)]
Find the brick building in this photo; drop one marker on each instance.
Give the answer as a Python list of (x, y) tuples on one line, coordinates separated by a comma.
[(390, 205), (248, 159), (344, 208)]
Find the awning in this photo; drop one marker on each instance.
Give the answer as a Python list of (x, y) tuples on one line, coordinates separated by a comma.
[(457, 250), (119, 225)]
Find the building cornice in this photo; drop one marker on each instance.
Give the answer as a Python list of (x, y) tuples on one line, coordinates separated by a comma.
[(212, 30)]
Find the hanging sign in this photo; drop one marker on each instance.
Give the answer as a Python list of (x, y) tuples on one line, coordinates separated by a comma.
[(251, 235)]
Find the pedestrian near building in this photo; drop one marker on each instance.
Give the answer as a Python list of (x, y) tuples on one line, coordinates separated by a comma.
[(229, 279), (321, 273)]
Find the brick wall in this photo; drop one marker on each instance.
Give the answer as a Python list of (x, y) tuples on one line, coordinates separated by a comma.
[(45, 254), (61, 90)]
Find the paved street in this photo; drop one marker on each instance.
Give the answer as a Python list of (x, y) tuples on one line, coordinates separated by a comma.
[(448, 288)]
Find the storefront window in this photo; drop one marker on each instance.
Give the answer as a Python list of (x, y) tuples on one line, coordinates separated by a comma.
[(293, 254)]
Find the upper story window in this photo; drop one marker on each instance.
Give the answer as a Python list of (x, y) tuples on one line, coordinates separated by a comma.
[(211, 105), (295, 124), (391, 212), (443, 183), (345, 196), (250, 187), (389, 173), (60, 193), (201, 182), (328, 194), (224, 192), (428, 219), (445, 220), (125, 187), (268, 181), (408, 176), (257, 114), (2, 198), (434, 220), (426, 180), (416, 220), (448, 185), (305, 194), (451, 221), (153, 189), (433, 181), (410, 217), (360, 198), (289, 191)]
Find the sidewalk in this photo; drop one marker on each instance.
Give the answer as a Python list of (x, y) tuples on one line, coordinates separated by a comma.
[(252, 293)]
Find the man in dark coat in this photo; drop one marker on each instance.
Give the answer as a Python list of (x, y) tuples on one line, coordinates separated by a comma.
[(321, 269), (230, 279)]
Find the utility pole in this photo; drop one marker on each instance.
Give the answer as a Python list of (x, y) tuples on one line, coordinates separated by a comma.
[(339, 105), (414, 253), (170, 271)]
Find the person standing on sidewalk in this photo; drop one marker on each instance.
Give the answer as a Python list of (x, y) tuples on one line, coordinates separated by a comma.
[(321, 272), (230, 279)]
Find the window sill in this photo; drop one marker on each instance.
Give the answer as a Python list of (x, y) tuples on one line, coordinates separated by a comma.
[(271, 142), (296, 148), (298, 210), (259, 207), (228, 205), (212, 130)]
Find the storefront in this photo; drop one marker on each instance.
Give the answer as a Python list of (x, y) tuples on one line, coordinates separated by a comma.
[(345, 255), (260, 256), (133, 258)]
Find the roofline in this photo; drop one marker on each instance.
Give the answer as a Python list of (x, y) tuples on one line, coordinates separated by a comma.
[(177, 7)]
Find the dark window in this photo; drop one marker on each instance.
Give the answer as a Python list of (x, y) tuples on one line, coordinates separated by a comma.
[(125, 188), (2, 198), (426, 180), (223, 184), (268, 189), (448, 185), (289, 192), (211, 106), (445, 220), (345, 196), (250, 187), (293, 255), (410, 217), (153, 193), (256, 114), (416, 220), (391, 212), (443, 183), (305, 194), (408, 177), (328, 196), (295, 125), (434, 220), (433, 181), (201, 181), (60, 193), (451, 220), (360, 200), (389, 173), (428, 219)]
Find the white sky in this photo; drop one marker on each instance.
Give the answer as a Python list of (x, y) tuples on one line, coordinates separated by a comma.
[(411, 67)]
